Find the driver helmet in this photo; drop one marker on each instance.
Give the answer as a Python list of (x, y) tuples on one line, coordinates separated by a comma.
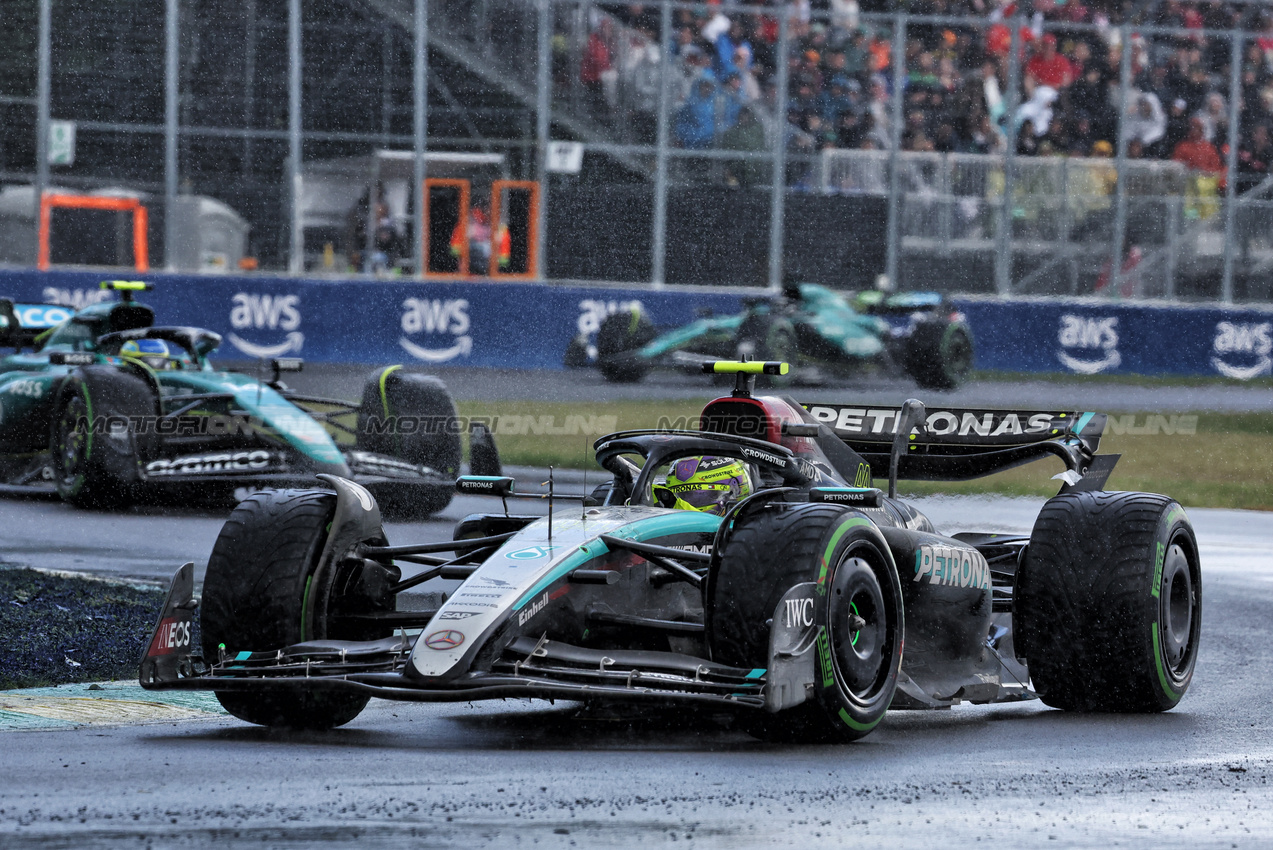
[(155, 353), (706, 483)]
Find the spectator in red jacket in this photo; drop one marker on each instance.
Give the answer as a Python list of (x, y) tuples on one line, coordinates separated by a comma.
[(1048, 67), (596, 66), (1196, 153)]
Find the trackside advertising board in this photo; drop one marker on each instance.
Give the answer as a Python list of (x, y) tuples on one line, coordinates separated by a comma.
[(528, 325)]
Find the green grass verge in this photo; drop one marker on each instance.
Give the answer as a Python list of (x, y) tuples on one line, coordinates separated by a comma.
[(58, 629), (1224, 460)]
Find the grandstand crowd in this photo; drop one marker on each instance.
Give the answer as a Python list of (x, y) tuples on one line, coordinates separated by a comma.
[(954, 91)]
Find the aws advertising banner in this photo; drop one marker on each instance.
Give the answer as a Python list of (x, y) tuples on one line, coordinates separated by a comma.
[(502, 325), (528, 325), (1100, 337)]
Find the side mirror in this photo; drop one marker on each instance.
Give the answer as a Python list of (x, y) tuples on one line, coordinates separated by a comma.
[(288, 364), (8, 323), (484, 485)]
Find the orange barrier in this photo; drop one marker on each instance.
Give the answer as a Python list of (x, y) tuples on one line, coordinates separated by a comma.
[(498, 187), (141, 252), (463, 226)]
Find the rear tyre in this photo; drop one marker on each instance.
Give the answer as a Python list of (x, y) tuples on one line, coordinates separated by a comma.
[(577, 355), (1108, 602), (939, 354), (99, 468), (618, 339), (260, 594), (412, 417), (857, 610)]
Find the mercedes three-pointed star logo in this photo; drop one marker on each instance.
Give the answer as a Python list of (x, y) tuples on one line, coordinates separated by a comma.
[(445, 639)]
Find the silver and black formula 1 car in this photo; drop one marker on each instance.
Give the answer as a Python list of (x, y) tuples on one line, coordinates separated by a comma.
[(107, 407), (792, 606)]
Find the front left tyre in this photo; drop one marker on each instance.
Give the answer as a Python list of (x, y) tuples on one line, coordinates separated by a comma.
[(262, 592), (99, 433), (856, 608)]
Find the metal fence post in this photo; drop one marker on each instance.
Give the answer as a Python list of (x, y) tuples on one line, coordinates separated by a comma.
[(419, 130), (1231, 166), (893, 247), (1120, 164), (1174, 211), (543, 82), (296, 250), (658, 244), (44, 89), (777, 196), (170, 133), (1003, 246)]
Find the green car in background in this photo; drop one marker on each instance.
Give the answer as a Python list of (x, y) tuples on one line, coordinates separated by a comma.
[(107, 408), (821, 332)]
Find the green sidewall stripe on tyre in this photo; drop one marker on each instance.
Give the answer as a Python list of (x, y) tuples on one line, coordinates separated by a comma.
[(88, 405), (1160, 554), (384, 394), (1163, 679), (860, 727), (832, 543), (88, 442)]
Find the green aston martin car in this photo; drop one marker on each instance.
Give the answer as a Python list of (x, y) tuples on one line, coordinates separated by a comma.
[(105, 407), (823, 333)]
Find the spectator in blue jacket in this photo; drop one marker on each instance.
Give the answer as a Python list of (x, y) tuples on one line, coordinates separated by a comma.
[(696, 119)]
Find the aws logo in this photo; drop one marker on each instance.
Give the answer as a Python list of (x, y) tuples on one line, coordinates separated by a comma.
[(1241, 350), (437, 317), (265, 312), (593, 311), (1089, 344), (75, 298)]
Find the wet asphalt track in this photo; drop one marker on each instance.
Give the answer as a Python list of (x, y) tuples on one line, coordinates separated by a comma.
[(511, 774)]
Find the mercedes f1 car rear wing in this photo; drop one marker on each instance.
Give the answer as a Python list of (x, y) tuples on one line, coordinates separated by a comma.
[(958, 444)]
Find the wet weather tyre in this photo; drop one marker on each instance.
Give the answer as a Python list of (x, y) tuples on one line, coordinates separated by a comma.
[(412, 417), (577, 355), (618, 339), (260, 593), (857, 612), (1107, 608), (100, 467), (939, 354)]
